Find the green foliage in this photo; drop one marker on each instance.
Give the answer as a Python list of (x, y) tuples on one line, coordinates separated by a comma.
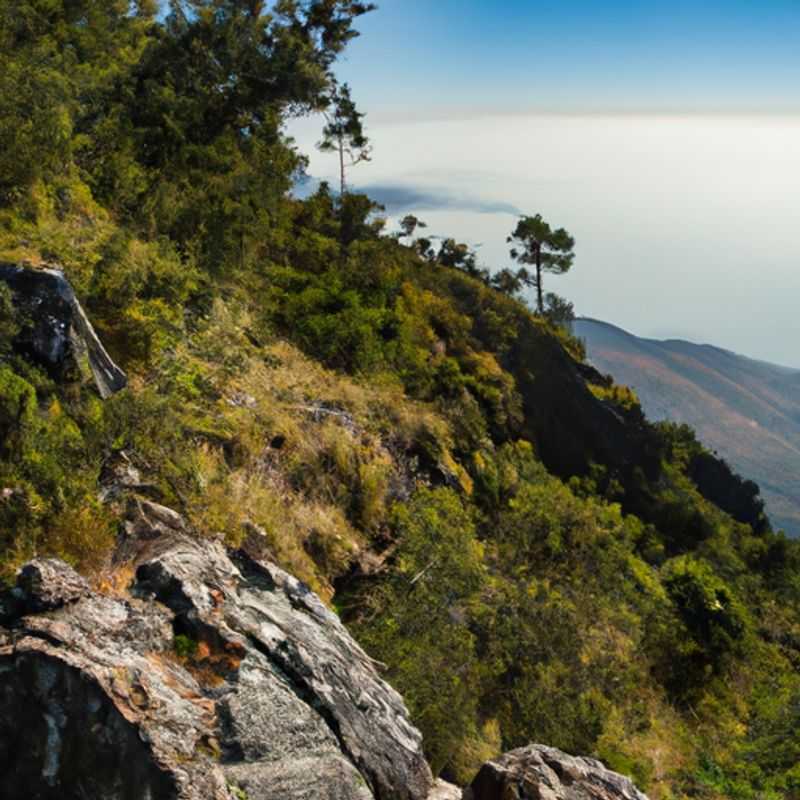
[(48, 478), (17, 409), (137, 294), (9, 324), (432, 657), (185, 646), (558, 311), (583, 644), (714, 618), (622, 396)]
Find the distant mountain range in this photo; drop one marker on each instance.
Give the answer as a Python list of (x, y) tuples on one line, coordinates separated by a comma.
[(747, 411)]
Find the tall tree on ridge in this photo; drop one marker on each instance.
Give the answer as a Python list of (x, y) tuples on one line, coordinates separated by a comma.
[(537, 244), (344, 132)]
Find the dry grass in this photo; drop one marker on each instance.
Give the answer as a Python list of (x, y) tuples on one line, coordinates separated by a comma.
[(313, 454), (113, 582)]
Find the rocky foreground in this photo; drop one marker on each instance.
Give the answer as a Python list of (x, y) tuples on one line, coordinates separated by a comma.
[(202, 673), (197, 672), (210, 674)]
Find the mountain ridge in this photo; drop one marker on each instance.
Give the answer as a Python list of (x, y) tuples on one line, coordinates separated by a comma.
[(743, 408)]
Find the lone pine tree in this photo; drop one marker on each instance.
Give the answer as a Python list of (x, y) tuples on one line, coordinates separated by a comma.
[(344, 132), (536, 244)]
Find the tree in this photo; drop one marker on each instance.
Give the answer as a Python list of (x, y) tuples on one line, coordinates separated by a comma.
[(344, 132), (456, 254), (507, 281), (58, 62), (537, 244), (558, 310), (459, 255), (409, 225)]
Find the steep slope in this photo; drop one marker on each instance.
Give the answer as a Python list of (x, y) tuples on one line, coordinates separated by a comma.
[(746, 410), (462, 516), (212, 674), (522, 554)]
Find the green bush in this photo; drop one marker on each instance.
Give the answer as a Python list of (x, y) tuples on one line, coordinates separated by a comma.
[(707, 607)]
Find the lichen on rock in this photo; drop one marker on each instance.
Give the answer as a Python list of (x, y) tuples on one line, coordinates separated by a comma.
[(270, 698)]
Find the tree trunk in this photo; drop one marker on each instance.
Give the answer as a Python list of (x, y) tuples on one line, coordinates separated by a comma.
[(539, 299), (341, 165)]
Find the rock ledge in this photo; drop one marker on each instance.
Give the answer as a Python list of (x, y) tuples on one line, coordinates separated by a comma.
[(213, 676)]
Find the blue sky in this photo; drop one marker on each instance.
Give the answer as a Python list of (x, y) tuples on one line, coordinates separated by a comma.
[(451, 56)]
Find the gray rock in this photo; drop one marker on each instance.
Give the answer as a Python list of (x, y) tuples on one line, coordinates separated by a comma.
[(537, 772), (215, 677), (444, 791), (55, 331), (43, 584), (119, 478), (47, 583)]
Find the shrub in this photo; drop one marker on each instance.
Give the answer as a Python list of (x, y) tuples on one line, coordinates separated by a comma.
[(707, 607)]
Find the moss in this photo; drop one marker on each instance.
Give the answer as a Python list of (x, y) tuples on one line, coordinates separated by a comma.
[(185, 647)]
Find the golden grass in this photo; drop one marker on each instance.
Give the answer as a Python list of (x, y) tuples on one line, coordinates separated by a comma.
[(312, 454)]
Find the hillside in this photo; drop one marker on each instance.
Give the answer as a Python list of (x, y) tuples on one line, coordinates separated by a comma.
[(519, 550), (747, 411)]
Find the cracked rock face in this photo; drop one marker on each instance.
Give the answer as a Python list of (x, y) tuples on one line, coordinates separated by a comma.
[(537, 772), (213, 677), (55, 331)]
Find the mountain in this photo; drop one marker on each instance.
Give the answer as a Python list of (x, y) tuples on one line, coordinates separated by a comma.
[(746, 410)]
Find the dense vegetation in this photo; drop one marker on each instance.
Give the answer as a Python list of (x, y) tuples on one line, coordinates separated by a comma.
[(498, 523)]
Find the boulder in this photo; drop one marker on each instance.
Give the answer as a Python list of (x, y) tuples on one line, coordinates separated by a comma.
[(212, 676), (55, 332), (544, 773), (444, 791)]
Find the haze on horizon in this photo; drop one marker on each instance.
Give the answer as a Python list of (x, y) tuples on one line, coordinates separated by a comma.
[(664, 137)]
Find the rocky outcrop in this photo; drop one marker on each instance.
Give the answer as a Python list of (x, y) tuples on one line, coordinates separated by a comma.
[(54, 330), (210, 676), (202, 673), (445, 791), (544, 773)]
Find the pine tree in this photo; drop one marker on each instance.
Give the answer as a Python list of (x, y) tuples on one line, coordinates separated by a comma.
[(537, 244), (343, 133)]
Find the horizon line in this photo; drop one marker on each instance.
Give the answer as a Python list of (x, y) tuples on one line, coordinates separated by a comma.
[(465, 113)]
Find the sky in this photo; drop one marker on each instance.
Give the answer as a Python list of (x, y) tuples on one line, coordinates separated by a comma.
[(665, 136), (429, 56)]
